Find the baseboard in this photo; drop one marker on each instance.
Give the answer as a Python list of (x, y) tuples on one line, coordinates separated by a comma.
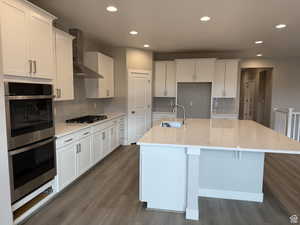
[(233, 195)]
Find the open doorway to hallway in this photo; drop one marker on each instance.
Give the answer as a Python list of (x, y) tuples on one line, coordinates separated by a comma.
[(256, 95)]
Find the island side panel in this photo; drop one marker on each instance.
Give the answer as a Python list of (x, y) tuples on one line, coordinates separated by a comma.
[(231, 175), (163, 177)]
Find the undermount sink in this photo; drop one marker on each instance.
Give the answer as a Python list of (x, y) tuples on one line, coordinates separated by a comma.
[(171, 124)]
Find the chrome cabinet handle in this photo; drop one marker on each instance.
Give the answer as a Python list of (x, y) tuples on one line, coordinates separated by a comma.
[(69, 140), (30, 65), (103, 135), (86, 133), (133, 112), (59, 93), (34, 66), (107, 93), (77, 148)]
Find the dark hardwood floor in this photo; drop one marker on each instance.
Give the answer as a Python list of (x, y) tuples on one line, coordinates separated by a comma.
[(108, 195)]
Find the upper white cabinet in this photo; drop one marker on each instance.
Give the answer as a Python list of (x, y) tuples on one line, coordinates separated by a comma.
[(225, 80), (27, 40), (165, 79), (195, 70), (104, 65), (63, 82)]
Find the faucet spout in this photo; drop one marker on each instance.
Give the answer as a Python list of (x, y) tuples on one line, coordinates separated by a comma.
[(183, 110)]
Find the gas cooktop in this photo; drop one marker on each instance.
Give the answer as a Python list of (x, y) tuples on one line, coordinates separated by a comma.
[(87, 119)]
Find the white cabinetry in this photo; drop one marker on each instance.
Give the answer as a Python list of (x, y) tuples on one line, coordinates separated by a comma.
[(97, 148), (63, 82), (78, 152), (165, 79), (104, 65), (225, 80), (195, 70), (27, 41), (66, 165), (83, 155)]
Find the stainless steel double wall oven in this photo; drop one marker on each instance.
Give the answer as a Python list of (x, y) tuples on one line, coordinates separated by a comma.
[(30, 132)]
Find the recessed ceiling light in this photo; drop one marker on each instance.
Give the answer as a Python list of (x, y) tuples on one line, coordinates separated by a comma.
[(205, 19), (280, 26), (146, 46), (259, 55), (259, 42), (111, 8), (133, 32)]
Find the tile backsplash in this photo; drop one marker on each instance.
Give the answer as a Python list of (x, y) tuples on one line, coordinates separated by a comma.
[(162, 104), (224, 106)]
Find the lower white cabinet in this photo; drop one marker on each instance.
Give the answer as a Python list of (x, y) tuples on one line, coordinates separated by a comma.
[(66, 165), (78, 152), (97, 148), (83, 155), (106, 142)]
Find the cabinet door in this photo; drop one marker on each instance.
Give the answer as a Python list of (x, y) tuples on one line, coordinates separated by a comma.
[(219, 79), (106, 142), (66, 165), (106, 68), (171, 79), (64, 66), (41, 46), (205, 70), (231, 78), (97, 148), (14, 35), (113, 137), (185, 70), (160, 79), (84, 155)]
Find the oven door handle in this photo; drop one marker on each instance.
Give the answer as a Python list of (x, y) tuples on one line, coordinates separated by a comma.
[(30, 97), (28, 148)]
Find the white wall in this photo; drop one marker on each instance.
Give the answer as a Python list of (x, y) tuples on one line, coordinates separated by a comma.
[(286, 79), (5, 206)]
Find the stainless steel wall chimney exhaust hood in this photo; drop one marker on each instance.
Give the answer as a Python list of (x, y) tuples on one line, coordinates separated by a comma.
[(79, 68)]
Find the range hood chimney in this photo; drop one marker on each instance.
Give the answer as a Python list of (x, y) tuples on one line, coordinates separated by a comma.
[(79, 68)]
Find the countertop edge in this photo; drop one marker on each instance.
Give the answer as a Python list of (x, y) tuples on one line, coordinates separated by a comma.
[(218, 148), (85, 126)]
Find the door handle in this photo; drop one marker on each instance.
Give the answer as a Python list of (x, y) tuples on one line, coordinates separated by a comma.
[(34, 66), (30, 65), (132, 112)]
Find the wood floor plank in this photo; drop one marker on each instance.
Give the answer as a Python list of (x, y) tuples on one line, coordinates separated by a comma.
[(108, 195)]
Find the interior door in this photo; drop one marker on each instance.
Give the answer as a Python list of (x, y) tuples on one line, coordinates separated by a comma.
[(139, 104), (41, 46), (15, 44)]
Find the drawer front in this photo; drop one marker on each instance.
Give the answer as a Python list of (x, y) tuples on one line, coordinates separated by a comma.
[(84, 133), (65, 140), (102, 126)]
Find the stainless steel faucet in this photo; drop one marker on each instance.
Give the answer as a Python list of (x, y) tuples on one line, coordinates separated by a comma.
[(183, 110)]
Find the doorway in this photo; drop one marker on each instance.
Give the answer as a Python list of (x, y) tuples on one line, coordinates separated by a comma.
[(139, 104), (256, 95)]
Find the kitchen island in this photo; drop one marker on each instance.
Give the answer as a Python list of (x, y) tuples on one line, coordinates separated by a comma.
[(218, 158)]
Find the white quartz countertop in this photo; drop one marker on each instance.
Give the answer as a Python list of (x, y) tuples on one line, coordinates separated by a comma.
[(222, 134), (62, 129)]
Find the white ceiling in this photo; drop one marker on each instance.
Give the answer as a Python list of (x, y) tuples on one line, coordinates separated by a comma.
[(174, 25)]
